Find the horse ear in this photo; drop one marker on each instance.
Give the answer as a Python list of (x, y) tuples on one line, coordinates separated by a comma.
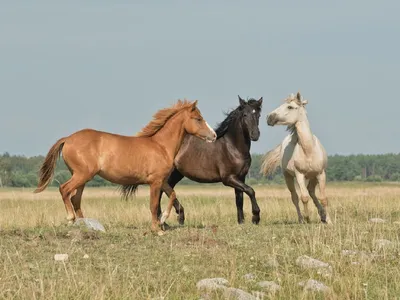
[(194, 105), (304, 102), (241, 101), (260, 101), (298, 96)]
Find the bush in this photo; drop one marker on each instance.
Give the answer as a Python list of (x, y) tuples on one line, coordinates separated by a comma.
[(374, 178)]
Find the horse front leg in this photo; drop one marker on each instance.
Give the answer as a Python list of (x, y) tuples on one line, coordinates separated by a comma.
[(236, 183), (304, 196)]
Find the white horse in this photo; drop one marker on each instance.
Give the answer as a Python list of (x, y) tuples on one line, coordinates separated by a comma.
[(301, 156)]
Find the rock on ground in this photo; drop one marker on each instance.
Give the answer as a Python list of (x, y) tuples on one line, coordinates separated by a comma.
[(314, 285), (212, 284), (238, 294), (271, 262), (60, 257), (307, 262), (377, 220), (90, 223), (382, 244), (349, 252), (249, 277)]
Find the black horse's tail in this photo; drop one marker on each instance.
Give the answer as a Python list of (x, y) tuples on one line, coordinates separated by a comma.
[(128, 190)]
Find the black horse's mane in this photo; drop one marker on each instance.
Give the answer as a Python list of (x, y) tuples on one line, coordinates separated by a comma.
[(232, 117)]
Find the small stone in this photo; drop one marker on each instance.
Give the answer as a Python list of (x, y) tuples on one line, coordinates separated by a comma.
[(272, 262), (349, 252), (307, 262), (212, 284), (270, 286), (382, 244), (377, 220), (249, 277), (364, 257), (86, 256), (60, 257), (314, 285), (90, 223), (185, 269), (238, 294)]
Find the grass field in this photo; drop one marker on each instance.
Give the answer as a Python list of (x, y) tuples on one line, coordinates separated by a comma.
[(129, 262)]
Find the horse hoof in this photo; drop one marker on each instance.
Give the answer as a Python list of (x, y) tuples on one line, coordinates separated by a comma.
[(165, 226), (181, 219), (255, 220), (163, 218)]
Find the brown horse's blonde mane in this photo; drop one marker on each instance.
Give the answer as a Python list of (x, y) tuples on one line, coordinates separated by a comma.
[(161, 117)]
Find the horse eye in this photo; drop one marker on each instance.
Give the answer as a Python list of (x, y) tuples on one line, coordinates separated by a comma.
[(290, 107), (199, 119)]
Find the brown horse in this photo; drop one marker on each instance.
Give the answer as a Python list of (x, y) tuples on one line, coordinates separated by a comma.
[(146, 158)]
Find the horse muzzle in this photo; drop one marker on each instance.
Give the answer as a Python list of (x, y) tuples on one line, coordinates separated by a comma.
[(211, 138), (272, 119), (254, 136)]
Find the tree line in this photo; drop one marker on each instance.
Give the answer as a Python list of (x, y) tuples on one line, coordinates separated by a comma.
[(21, 171)]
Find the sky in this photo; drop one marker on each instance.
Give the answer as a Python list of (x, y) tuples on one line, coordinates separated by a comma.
[(110, 65)]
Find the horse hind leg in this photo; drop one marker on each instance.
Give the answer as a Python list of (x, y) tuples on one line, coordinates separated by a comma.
[(173, 179), (172, 197), (68, 190), (311, 190), (324, 200), (76, 201)]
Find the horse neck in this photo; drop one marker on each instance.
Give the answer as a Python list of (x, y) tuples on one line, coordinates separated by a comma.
[(171, 135), (238, 137), (304, 134)]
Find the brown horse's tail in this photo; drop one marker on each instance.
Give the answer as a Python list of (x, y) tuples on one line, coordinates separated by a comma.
[(271, 161), (49, 164)]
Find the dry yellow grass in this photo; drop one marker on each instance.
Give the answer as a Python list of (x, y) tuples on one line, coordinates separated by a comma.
[(128, 262)]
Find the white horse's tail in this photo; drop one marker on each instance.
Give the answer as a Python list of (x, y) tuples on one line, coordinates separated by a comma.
[(271, 161)]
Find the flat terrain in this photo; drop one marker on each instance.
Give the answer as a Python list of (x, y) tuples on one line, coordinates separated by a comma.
[(129, 262)]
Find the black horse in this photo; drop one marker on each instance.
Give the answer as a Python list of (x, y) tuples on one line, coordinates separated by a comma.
[(227, 160)]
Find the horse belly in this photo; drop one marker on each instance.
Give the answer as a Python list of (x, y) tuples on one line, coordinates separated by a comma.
[(196, 171), (128, 168), (118, 177)]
